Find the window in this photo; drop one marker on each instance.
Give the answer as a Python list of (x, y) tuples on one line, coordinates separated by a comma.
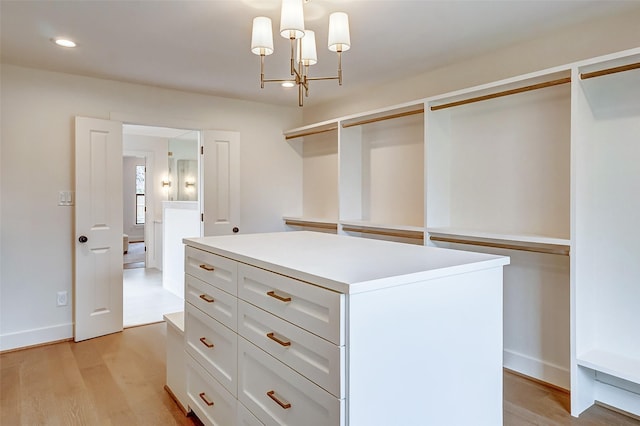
[(140, 208)]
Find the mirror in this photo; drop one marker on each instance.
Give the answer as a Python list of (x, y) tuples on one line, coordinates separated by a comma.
[(183, 167)]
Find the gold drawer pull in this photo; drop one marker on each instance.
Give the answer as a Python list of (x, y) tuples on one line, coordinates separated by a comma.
[(281, 298), (275, 339), (207, 267), (204, 342), (272, 394), (207, 298), (204, 398)]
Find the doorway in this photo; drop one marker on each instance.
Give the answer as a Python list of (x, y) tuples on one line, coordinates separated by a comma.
[(160, 170), (134, 211)]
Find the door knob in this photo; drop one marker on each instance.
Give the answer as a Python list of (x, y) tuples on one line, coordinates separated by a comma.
[(83, 239)]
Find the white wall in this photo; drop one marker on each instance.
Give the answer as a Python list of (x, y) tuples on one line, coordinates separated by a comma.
[(37, 144), (590, 39)]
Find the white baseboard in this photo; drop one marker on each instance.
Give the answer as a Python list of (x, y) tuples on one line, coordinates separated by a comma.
[(538, 369), (36, 336)]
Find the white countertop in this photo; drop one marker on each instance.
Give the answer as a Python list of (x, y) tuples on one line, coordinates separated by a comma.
[(342, 263)]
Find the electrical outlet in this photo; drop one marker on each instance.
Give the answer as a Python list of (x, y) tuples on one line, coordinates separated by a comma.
[(62, 299)]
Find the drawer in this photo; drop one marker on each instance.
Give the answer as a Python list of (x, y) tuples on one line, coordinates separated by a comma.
[(317, 359), (246, 418), (212, 269), (207, 398), (212, 301), (279, 396), (213, 345), (313, 308)]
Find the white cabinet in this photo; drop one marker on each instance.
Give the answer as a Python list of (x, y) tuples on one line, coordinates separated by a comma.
[(280, 396), (176, 367), (208, 398), (329, 326)]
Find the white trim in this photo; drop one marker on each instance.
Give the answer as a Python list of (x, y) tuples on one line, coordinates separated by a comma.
[(538, 369), (619, 398), (36, 336)]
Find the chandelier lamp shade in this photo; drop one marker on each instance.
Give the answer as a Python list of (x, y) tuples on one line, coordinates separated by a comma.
[(302, 45)]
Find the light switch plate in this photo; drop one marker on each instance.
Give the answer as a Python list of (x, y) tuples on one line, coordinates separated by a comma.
[(65, 198)]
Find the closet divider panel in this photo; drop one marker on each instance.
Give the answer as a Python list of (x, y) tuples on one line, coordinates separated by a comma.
[(606, 250)]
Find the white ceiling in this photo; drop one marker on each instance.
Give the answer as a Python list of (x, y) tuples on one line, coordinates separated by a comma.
[(203, 46)]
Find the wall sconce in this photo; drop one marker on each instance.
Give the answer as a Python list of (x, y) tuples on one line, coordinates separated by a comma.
[(166, 183)]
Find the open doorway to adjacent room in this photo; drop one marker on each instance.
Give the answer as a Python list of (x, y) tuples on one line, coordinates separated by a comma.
[(160, 176)]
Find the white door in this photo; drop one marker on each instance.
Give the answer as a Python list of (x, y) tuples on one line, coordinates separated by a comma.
[(98, 228), (221, 182)]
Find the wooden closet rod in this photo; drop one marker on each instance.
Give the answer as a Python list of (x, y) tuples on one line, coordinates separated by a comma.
[(382, 118), (505, 93), (320, 225), (310, 132), (608, 71), (560, 251), (416, 235)]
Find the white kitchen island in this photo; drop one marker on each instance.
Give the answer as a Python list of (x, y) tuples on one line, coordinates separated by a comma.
[(305, 328)]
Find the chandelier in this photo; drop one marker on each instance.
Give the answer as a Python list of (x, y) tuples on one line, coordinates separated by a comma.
[(303, 45)]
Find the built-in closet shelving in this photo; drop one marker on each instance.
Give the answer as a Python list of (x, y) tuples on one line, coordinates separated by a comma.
[(317, 146), (378, 158), (542, 168), (606, 284), (499, 161), (382, 173), (498, 181)]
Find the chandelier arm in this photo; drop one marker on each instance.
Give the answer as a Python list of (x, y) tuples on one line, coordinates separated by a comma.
[(322, 78), (293, 68), (340, 67), (306, 81), (270, 80), (300, 97)]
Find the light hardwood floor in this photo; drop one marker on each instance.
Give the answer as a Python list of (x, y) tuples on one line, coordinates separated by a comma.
[(112, 380), (118, 380)]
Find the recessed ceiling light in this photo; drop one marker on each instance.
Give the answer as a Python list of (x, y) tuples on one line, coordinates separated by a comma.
[(288, 83), (64, 42)]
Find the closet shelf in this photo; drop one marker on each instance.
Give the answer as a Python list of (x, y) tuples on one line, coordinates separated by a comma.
[(612, 364), (608, 71), (313, 129), (384, 114), (403, 231), (532, 243), (617, 93), (533, 81), (309, 222), (503, 93)]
